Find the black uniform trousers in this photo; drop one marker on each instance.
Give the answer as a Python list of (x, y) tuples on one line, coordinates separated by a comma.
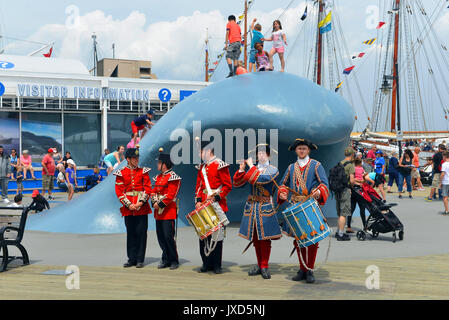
[(136, 237), (213, 261), (165, 230)]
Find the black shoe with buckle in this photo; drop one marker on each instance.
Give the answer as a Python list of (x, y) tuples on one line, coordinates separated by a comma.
[(310, 278), (163, 265), (301, 275), (129, 264), (265, 273), (254, 271)]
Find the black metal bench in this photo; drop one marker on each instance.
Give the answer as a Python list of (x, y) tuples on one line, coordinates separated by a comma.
[(4, 243)]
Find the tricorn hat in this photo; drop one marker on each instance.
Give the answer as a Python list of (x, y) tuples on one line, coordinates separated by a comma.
[(132, 153), (302, 142)]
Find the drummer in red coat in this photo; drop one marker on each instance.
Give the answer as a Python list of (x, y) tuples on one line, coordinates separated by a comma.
[(133, 188), (306, 176), (215, 173), (163, 199)]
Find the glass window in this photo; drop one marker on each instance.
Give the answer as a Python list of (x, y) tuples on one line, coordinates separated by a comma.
[(89, 104), (82, 137), (69, 104), (32, 103), (41, 131), (9, 133), (119, 130)]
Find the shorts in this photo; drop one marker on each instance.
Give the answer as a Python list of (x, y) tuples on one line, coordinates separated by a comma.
[(279, 50), (344, 204), (416, 174), (135, 128), (63, 186), (108, 164), (252, 56), (436, 180), (48, 182), (380, 180), (445, 190), (234, 51)]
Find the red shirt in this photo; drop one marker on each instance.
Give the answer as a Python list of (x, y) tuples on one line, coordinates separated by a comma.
[(133, 186), (217, 172), (164, 193), (235, 33), (49, 163)]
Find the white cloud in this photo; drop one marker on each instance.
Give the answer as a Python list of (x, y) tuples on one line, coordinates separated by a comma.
[(175, 47)]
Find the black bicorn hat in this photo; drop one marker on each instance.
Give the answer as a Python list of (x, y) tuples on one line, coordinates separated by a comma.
[(132, 153), (303, 142), (164, 157)]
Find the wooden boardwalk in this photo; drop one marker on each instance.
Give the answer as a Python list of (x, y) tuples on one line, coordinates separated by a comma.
[(401, 278)]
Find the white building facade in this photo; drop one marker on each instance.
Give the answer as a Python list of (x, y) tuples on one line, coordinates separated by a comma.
[(56, 103)]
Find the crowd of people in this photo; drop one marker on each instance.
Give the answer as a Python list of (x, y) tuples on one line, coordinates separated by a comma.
[(380, 170), (259, 59), (55, 167)]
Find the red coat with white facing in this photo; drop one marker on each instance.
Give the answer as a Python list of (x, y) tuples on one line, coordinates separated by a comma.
[(164, 194), (131, 187), (217, 172)]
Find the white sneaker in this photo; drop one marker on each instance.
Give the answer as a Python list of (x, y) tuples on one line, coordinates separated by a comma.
[(6, 200)]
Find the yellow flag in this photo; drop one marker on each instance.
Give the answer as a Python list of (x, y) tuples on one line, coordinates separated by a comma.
[(326, 20)]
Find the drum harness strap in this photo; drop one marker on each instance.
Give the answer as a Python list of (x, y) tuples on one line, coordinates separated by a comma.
[(210, 247)]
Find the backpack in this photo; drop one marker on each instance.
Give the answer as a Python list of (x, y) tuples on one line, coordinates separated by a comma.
[(338, 180)]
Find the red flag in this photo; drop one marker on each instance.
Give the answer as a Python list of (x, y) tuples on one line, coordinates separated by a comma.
[(48, 55), (361, 55), (381, 24), (348, 70)]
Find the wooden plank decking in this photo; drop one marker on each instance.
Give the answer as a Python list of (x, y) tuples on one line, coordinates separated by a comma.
[(402, 278)]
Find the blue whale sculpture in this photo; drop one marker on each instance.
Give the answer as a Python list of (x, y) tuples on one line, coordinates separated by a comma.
[(296, 107)]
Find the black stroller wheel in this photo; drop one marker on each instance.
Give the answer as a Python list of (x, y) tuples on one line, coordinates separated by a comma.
[(401, 235), (375, 234), (361, 236), (394, 237)]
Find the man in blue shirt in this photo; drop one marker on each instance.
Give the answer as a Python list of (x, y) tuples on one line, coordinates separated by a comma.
[(257, 37)]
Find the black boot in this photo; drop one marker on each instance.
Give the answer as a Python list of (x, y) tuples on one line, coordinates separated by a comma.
[(265, 273), (301, 275), (254, 271), (129, 264), (310, 278)]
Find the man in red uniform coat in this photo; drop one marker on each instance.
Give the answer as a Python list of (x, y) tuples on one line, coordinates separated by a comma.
[(133, 188), (215, 173), (163, 198)]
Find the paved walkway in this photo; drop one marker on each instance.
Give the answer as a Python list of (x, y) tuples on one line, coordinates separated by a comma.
[(413, 268)]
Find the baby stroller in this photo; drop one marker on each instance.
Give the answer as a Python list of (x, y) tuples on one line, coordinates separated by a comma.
[(381, 218)]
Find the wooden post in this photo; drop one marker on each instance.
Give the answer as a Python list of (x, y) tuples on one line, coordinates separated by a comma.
[(245, 51), (207, 56), (320, 45), (395, 71)]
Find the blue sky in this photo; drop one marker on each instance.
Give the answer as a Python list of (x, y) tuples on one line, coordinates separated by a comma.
[(171, 34)]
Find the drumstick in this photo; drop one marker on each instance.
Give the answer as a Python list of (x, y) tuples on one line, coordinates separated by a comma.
[(289, 189)]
